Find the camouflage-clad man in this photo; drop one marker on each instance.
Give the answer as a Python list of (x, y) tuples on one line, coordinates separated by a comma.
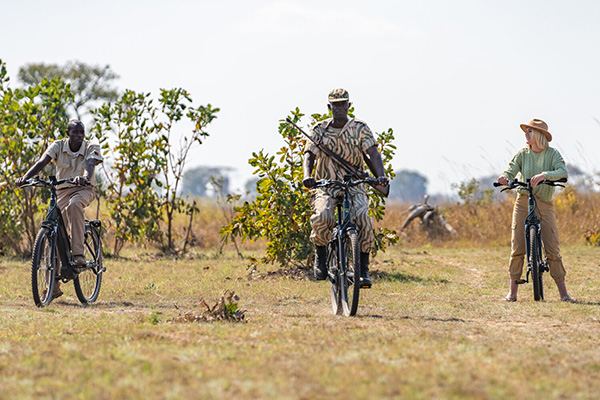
[(349, 138)]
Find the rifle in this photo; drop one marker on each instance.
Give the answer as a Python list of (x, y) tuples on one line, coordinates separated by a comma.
[(349, 168)]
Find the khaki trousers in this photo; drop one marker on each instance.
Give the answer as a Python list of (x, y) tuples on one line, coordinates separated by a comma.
[(323, 219), (72, 203), (545, 212)]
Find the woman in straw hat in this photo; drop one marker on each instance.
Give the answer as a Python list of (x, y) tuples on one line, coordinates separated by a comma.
[(537, 162)]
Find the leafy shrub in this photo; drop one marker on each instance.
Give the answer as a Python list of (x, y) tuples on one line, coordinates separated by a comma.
[(30, 119), (281, 210)]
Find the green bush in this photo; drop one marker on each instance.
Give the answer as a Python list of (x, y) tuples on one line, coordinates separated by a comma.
[(281, 211)]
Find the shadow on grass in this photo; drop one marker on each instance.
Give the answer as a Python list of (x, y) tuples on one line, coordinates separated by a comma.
[(435, 319), (99, 304), (376, 316), (404, 277), (588, 303), (119, 305)]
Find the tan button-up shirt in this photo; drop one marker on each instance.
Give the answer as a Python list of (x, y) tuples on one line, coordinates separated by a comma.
[(71, 164)]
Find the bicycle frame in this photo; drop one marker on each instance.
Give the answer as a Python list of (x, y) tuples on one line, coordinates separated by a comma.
[(48, 267), (532, 220), (60, 239), (343, 262), (340, 232)]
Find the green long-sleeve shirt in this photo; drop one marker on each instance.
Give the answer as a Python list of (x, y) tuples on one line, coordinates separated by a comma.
[(529, 163)]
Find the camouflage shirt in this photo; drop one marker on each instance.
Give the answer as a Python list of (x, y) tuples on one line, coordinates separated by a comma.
[(350, 143)]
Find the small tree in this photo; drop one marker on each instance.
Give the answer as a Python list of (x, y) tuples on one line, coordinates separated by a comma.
[(89, 83), (147, 166), (132, 203), (175, 104), (408, 186), (29, 119), (198, 180), (281, 210), (471, 194)]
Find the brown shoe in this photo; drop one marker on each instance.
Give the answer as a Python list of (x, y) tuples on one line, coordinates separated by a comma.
[(56, 293), (568, 299), (79, 261)]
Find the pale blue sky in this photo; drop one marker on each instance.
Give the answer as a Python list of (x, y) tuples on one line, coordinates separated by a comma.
[(454, 79)]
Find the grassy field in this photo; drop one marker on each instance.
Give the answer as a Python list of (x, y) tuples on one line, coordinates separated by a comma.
[(433, 326)]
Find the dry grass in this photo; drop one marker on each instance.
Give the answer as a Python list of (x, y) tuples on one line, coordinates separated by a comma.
[(433, 326), (488, 224), (485, 224), (206, 225)]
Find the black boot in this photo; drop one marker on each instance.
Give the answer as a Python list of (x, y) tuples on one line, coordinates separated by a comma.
[(321, 263), (365, 281)]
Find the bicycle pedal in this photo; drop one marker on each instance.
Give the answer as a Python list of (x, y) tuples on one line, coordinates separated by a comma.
[(520, 281), (365, 286)]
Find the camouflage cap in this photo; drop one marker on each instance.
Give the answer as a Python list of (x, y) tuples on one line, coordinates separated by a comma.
[(338, 95)]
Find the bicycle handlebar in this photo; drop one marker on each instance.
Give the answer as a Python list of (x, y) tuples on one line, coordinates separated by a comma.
[(37, 181), (514, 183), (333, 182)]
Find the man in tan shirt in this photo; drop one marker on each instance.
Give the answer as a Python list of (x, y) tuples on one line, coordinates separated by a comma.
[(75, 159)]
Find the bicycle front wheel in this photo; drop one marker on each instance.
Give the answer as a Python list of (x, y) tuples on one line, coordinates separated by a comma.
[(536, 264), (350, 277), (334, 272), (88, 282), (43, 267)]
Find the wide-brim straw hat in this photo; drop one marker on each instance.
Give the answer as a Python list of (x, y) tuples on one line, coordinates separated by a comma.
[(539, 125)]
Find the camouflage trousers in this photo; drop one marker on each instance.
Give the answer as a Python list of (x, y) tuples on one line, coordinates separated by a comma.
[(323, 219)]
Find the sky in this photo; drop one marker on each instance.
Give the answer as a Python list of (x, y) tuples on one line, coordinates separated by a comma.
[(453, 79)]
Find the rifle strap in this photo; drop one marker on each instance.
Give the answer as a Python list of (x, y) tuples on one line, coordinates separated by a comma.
[(341, 161)]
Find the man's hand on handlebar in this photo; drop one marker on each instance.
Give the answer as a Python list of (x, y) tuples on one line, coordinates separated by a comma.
[(309, 182), (20, 181), (81, 181), (382, 180)]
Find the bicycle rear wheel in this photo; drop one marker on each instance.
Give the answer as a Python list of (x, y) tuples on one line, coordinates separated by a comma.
[(536, 264), (350, 277), (88, 282), (43, 268)]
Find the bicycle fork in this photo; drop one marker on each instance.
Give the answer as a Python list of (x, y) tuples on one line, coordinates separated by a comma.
[(543, 264)]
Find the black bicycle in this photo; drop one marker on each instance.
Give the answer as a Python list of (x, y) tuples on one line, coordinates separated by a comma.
[(536, 263), (343, 251), (52, 260)]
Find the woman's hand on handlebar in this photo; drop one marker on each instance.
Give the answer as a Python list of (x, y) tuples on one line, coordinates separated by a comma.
[(503, 180), (537, 179)]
